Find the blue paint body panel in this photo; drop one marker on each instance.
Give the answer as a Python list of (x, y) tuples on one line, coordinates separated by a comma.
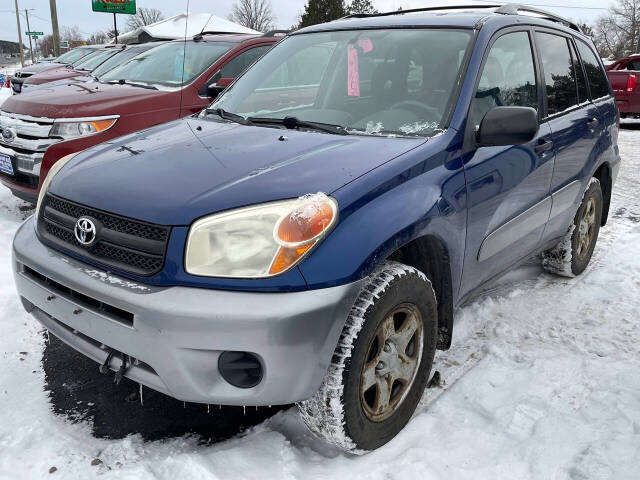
[(390, 191)]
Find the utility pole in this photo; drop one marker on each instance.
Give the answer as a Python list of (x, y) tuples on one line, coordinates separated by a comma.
[(54, 25), (115, 27), (19, 34), (26, 14)]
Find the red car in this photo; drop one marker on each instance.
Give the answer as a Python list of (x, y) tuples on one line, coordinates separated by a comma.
[(624, 75), (82, 67), (169, 81)]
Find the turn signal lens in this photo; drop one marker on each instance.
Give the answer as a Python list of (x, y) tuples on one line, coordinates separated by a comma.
[(101, 125), (306, 222), (303, 227)]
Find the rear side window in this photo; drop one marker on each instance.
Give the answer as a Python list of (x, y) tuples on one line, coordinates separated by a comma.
[(508, 77), (240, 63), (560, 83), (598, 81), (583, 95)]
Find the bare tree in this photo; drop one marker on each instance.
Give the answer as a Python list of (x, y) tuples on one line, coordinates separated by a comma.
[(71, 34), (97, 38), (617, 33), (255, 14), (46, 46), (144, 17)]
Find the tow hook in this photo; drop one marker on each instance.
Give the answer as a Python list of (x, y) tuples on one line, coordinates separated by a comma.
[(124, 366), (122, 370), (104, 368)]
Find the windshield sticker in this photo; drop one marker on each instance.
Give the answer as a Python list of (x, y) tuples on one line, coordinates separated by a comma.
[(353, 77)]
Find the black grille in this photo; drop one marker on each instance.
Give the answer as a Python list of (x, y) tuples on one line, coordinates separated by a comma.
[(112, 222), (122, 243)]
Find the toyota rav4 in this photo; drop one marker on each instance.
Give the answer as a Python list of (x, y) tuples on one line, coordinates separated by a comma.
[(308, 236)]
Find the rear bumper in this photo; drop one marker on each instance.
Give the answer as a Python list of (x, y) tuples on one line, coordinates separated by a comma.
[(628, 102), (177, 333)]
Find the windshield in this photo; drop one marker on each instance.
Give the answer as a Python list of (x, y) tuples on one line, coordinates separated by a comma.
[(120, 58), (74, 55), (375, 82), (163, 65), (96, 58)]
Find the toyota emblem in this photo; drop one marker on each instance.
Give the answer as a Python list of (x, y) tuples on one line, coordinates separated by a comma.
[(85, 231)]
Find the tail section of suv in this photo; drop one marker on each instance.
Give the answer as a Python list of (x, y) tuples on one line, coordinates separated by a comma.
[(308, 236), (156, 86)]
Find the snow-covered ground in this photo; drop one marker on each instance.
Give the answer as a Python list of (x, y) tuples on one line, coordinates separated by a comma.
[(542, 383)]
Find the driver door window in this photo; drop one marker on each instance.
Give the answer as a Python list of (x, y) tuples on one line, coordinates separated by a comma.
[(508, 77)]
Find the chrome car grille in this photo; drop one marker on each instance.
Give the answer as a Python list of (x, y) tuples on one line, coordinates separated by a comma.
[(122, 243), (29, 139)]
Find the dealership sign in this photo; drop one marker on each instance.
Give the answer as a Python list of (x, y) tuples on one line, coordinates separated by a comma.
[(114, 6)]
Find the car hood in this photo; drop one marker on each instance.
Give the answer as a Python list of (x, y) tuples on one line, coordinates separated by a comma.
[(40, 67), (53, 74), (174, 173), (77, 100)]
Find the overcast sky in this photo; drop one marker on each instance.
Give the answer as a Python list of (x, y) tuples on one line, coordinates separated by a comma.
[(78, 12)]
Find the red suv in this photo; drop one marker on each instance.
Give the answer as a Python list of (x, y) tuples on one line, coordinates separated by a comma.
[(169, 81)]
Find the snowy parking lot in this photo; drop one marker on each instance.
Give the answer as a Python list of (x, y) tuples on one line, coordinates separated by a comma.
[(542, 382)]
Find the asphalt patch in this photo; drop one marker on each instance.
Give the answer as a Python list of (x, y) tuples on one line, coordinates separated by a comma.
[(79, 392)]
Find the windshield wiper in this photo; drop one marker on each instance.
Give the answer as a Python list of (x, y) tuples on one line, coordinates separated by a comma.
[(234, 117), (122, 81), (294, 122)]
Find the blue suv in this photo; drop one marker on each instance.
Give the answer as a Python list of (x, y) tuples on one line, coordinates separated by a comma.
[(308, 236)]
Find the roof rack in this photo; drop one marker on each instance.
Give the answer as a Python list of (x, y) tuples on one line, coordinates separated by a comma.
[(501, 8), (198, 36), (273, 33), (423, 9), (515, 9)]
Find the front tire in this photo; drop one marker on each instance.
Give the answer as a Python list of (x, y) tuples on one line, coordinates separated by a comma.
[(572, 255), (381, 364)]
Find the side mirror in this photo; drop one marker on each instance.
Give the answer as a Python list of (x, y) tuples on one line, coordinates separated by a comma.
[(214, 88), (504, 126)]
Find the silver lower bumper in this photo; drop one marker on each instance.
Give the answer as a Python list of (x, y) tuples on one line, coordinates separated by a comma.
[(176, 334)]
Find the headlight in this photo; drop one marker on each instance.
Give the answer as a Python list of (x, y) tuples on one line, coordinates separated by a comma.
[(80, 127), (47, 181), (261, 240)]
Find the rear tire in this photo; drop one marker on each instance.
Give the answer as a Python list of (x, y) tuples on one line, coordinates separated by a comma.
[(381, 363), (572, 255)]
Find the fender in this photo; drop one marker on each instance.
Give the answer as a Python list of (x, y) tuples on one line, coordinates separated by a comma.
[(420, 193)]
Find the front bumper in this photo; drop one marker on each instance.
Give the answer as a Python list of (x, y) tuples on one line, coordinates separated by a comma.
[(176, 334)]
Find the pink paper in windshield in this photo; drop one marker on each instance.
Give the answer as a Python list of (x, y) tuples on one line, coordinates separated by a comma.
[(353, 80), (353, 77)]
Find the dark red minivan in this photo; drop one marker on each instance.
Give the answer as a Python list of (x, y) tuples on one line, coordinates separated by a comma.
[(172, 80)]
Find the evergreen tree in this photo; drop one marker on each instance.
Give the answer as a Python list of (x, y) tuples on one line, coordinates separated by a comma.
[(321, 11), (362, 6)]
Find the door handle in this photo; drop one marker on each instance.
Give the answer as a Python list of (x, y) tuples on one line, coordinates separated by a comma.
[(544, 146), (593, 123)]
